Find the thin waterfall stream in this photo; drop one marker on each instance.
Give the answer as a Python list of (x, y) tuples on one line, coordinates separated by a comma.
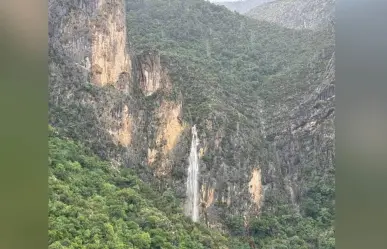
[(192, 204)]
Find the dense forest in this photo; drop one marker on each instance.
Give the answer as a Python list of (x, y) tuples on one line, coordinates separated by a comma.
[(94, 205)]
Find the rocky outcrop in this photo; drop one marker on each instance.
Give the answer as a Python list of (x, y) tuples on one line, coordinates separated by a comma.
[(90, 73), (255, 187), (105, 94), (152, 75), (123, 134), (93, 35), (169, 131), (296, 14)]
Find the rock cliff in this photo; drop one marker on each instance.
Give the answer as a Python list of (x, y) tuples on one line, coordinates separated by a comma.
[(93, 35), (103, 92)]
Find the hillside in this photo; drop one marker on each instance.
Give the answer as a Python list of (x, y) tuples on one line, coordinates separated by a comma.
[(92, 205), (133, 82), (242, 6), (296, 14)]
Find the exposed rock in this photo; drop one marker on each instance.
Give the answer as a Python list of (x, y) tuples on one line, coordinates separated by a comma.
[(92, 34), (97, 85), (152, 75), (123, 134), (255, 187), (168, 133)]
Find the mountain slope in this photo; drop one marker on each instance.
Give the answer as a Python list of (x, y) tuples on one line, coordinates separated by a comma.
[(92, 205), (242, 6), (249, 87), (296, 14), (250, 74)]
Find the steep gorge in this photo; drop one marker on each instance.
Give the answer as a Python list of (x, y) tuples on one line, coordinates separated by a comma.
[(133, 89)]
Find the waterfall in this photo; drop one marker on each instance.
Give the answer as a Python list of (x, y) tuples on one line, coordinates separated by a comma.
[(192, 203), (289, 187)]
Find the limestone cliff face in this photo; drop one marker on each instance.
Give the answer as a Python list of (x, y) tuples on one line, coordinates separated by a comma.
[(108, 42), (255, 187), (87, 53), (168, 134), (105, 94), (152, 75), (93, 35), (123, 133)]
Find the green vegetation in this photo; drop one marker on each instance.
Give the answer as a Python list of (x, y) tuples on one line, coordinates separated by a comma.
[(233, 59), (225, 64), (286, 228), (94, 205)]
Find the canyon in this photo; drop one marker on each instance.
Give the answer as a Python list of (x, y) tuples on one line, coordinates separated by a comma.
[(234, 136)]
